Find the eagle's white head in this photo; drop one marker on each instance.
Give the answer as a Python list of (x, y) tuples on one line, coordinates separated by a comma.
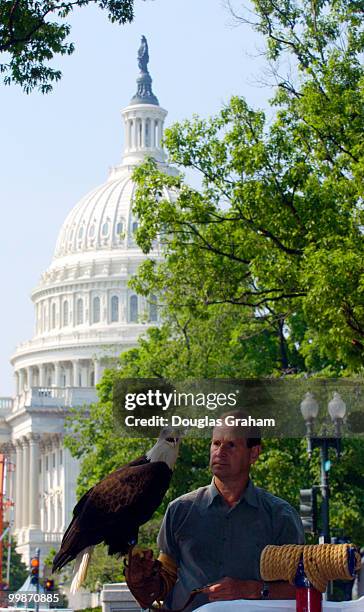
[(167, 447)]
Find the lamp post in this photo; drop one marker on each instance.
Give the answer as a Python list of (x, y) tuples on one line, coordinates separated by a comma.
[(337, 410)]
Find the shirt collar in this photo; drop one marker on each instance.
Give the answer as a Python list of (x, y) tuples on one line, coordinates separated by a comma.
[(249, 495)]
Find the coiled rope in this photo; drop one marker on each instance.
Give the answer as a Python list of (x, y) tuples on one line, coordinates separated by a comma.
[(322, 562)]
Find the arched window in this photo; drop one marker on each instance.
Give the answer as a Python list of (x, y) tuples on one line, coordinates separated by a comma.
[(130, 134), (119, 228), (96, 310), (134, 227), (134, 309), (53, 322), (41, 318), (65, 313), (105, 229), (153, 309), (156, 134), (114, 308), (79, 311), (147, 133)]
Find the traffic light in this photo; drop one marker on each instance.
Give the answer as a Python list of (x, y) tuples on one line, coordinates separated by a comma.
[(49, 585), (308, 509), (34, 570)]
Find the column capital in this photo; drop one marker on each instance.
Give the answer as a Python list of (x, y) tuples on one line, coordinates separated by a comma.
[(34, 438), (18, 444), (57, 439), (7, 448), (46, 442), (23, 441)]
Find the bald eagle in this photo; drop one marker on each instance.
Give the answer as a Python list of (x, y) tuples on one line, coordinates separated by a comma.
[(113, 510)]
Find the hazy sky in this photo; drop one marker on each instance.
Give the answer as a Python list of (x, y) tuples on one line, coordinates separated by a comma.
[(56, 148)]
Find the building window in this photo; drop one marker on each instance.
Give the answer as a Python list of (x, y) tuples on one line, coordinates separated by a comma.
[(156, 134), (134, 309), (92, 231), (65, 313), (46, 464), (119, 228), (114, 308), (80, 232), (134, 227), (61, 457), (92, 379), (40, 466), (147, 133), (53, 460), (53, 316), (153, 309), (41, 311), (96, 310), (130, 134), (105, 229), (79, 311)]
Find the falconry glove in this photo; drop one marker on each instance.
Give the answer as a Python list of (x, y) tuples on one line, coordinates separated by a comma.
[(149, 579)]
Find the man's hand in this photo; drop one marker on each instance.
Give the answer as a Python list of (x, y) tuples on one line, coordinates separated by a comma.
[(232, 588)]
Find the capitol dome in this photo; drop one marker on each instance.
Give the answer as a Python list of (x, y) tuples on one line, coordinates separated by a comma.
[(85, 314), (84, 310)]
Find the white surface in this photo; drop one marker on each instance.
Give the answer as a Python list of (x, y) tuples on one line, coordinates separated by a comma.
[(257, 606)]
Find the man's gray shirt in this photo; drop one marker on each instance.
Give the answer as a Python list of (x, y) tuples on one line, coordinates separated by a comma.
[(209, 540)]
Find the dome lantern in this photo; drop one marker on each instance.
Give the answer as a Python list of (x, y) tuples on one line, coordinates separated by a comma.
[(143, 118)]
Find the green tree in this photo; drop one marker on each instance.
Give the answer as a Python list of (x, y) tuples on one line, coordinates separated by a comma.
[(276, 227), (18, 569), (218, 342), (32, 33)]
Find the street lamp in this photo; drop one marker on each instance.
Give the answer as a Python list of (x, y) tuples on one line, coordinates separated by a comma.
[(337, 410)]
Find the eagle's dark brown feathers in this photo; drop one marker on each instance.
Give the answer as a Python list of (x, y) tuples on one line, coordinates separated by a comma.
[(113, 510)]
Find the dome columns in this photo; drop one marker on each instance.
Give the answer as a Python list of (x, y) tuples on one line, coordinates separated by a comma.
[(84, 372), (144, 125)]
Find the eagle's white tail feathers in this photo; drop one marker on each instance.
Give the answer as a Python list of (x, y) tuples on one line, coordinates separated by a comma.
[(80, 569)]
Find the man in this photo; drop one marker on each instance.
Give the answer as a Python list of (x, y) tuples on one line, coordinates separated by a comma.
[(215, 535)]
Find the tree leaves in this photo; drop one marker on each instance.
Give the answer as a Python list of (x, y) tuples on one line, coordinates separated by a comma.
[(32, 33)]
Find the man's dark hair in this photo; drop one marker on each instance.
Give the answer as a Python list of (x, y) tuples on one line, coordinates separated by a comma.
[(251, 433)]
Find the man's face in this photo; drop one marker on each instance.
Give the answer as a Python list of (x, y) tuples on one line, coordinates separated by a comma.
[(230, 456)]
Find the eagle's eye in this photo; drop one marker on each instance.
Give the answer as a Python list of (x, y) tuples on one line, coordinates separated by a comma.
[(170, 439)]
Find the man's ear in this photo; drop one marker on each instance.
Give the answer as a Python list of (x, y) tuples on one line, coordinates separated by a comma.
[(254, 453)]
